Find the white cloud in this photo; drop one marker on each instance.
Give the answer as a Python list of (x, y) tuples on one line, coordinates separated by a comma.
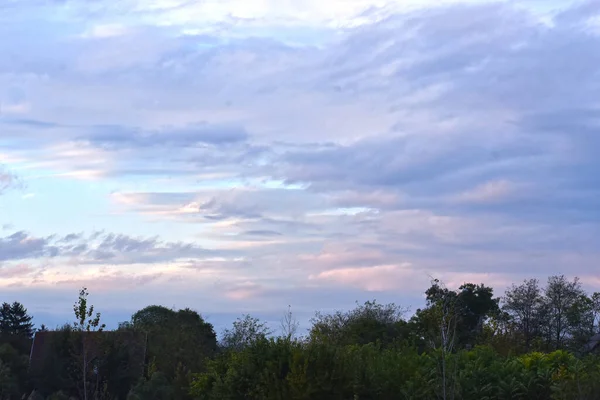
[(375, 278), (106, 31), (453, 140)]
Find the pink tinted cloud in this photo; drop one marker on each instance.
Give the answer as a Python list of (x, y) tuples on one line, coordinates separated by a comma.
[(244, 291), (373, 279), (334, 255), (109, 282), (16, 271)]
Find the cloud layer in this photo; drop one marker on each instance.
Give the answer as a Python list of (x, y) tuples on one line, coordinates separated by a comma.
[(355, 149)]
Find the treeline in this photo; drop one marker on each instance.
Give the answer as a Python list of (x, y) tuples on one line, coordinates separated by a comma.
[(535, 342)]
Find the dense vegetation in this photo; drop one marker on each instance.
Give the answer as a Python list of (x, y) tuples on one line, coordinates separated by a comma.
[(533, 343)]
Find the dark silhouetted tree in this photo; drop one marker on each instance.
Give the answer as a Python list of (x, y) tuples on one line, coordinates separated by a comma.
[(14, 320)]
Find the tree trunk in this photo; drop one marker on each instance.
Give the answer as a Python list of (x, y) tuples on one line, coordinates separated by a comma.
[(85, 394)]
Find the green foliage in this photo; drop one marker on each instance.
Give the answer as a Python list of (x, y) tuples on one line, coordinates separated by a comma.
[(246, 330), (178, 343), (14, 320), (157, 387), (86, 351), (368, 323), (13, 372), (464, 345), (86, 321), (9, 386), (281, 369)]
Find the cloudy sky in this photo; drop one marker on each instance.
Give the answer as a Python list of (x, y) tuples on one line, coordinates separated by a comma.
[(241, 156)]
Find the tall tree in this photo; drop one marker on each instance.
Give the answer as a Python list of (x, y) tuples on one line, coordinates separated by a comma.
[(178, 343), (289, 325), (5, 319), (477, 303), (444, 311), (581, 320), (468, 308), (523, 303), (560, 296), (85, 323)]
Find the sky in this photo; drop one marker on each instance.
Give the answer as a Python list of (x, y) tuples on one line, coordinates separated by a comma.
[(240, 156)]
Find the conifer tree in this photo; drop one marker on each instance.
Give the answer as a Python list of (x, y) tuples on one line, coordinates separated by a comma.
[(15, 321)]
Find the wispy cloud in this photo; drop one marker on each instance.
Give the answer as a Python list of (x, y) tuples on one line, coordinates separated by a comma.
[(98, 248), (352, 145)]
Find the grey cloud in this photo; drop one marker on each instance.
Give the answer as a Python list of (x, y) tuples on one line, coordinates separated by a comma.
[(262, 233), (123, 249), (505, 113), (32, 123), (239, 203), (201, 134), (99, 248), (411, 117), (72, 237), (20, 245)]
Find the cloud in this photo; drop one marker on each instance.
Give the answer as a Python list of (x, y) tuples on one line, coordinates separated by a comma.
[(243, 291), (347, 149), (377, 278), (98, 248), (20, 245), (115, 281), (16, 271), (114, 137)]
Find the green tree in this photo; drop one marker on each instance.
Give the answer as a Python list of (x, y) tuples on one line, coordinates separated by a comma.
[(560, 296), (86, 323), (15, 367), (157, 387), (523, 303), (15, 321), (476, 304), (178, 344), (581, 320), (245, 331), (367, 323)]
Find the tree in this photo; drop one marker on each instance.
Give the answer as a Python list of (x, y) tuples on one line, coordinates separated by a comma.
[(453, 320), (16, 364), (444, 305), (560, 296), (523, 304), (246, 330), (289, 325), (476, 304), (460, 314), (86, 322), (14, 320), (367, 323), (581, 320), (178, 343), (157, 387)]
